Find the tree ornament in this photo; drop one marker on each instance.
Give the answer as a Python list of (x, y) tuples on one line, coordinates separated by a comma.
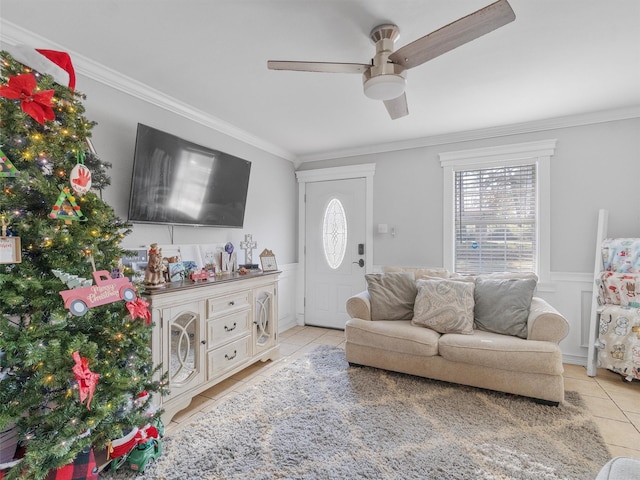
[(37, 105), (80, 176), (139, 309), (6, 167), (67, 208), (106, 290), (87, 380), (10, 251), (49, 62)]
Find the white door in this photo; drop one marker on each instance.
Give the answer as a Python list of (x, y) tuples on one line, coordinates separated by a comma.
[(335, 249)]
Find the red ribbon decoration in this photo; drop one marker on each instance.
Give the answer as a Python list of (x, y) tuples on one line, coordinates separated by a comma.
[(138, 309), (87, 380), (37, 105)]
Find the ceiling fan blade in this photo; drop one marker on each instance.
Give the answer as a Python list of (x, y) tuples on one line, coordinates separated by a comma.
[(454, 35), (323, 67), (397, 107)]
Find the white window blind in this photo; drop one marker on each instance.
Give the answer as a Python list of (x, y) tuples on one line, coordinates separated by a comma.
[(495, 219)]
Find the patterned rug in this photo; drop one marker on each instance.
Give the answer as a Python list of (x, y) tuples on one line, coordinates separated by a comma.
[(319, 418)]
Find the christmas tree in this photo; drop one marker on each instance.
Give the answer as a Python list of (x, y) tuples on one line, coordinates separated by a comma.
[(68, 381)]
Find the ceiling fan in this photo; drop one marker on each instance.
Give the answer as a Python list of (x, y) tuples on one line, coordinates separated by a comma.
[(385, 77)]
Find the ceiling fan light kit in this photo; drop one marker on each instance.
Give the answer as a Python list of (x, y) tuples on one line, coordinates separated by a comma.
[(385, 77), (384, 87)]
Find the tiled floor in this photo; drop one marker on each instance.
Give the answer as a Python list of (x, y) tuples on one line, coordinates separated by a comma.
[(615, 404)]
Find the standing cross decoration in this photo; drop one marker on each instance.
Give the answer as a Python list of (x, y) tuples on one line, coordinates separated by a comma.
[(248, 245)]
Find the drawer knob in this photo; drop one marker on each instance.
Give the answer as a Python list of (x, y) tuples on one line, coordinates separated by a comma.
[(227, 329), (203, 342), (232, 303), (235, 352)]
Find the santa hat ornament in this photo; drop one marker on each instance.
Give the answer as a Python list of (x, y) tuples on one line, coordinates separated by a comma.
[(50, 62)]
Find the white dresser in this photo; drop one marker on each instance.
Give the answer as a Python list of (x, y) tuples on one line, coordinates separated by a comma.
[(208, 330)]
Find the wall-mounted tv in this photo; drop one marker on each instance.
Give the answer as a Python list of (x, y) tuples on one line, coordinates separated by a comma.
[(177, 182)]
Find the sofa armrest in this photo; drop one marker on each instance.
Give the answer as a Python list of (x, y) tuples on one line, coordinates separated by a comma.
[(545, 322), (359, 306)]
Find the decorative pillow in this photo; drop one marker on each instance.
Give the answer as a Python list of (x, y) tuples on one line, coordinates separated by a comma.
[(445, 306), (392, 295), (502, 304)]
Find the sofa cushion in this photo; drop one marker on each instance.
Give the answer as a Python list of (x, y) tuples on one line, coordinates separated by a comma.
[(392, 295), (445, 306), (503, 352), (502, 304), (419, 272), (393, 335)]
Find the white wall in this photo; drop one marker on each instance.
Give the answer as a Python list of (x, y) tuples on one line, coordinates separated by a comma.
[(595, 166)]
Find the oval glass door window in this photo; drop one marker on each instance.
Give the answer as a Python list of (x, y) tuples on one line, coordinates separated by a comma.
[(334, 233)]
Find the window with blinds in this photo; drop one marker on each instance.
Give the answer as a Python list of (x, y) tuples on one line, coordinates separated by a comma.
[(495, 219)]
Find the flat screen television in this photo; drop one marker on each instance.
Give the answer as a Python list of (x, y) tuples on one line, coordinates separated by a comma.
[(177, 182)]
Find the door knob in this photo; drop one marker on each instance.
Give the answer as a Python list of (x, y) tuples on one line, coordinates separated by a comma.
[(360, 262)]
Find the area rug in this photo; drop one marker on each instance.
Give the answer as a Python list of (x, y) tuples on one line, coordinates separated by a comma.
[(319, 418)]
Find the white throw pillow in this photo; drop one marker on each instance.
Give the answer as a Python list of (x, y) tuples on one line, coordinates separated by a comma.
[(445, 306)]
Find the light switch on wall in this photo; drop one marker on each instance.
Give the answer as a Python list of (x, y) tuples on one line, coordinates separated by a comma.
[(383, 228)]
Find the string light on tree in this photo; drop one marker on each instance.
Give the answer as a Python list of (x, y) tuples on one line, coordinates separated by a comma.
[(37, 332)]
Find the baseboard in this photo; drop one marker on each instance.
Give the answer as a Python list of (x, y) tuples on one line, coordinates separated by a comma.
[(574, 360), (286, 324)]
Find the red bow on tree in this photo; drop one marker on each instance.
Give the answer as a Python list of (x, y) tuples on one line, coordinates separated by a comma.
[(87, 380), (138, 309), (37, 105)]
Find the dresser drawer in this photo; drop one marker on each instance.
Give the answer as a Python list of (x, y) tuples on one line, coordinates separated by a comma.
[(224, 329), (225, 358), (227, 304)]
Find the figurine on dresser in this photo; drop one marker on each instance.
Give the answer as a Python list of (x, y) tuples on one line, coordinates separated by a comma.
[(154, 274)]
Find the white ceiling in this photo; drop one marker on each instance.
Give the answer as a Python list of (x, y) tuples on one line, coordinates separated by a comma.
[(559, 58)]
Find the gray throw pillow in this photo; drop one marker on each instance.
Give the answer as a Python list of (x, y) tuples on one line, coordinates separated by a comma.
[(445, 306), (392, 295), (502, 305)]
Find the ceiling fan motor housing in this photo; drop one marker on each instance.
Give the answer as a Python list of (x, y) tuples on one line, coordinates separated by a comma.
[(384, 80)]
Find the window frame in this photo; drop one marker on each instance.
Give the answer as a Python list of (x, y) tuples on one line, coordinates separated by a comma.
[(538, 153)]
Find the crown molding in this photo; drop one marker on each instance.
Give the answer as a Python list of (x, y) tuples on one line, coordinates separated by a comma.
[(481, 134), (12, 34)]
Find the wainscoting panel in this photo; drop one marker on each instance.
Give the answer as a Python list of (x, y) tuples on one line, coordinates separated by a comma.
[(287, 296), (571, 295)]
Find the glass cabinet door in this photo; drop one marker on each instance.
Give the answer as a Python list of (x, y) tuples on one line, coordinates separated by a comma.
[(182, 359), (264, 319)]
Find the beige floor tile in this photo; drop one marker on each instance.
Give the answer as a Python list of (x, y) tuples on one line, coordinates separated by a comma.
[(334, 332), (299, 339), (292, 331), (585, 386), (575, 371), (287, 348), (634, 418), (604, 407), (621, 434), (329, 340), (616, 451)]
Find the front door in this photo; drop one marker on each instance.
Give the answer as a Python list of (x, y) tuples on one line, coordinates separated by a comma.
[(335, 249)]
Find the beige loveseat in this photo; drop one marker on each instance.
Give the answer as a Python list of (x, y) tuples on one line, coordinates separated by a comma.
[(529, 364)]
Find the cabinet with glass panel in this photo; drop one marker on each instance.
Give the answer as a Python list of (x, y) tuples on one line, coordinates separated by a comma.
[(205, 332)]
